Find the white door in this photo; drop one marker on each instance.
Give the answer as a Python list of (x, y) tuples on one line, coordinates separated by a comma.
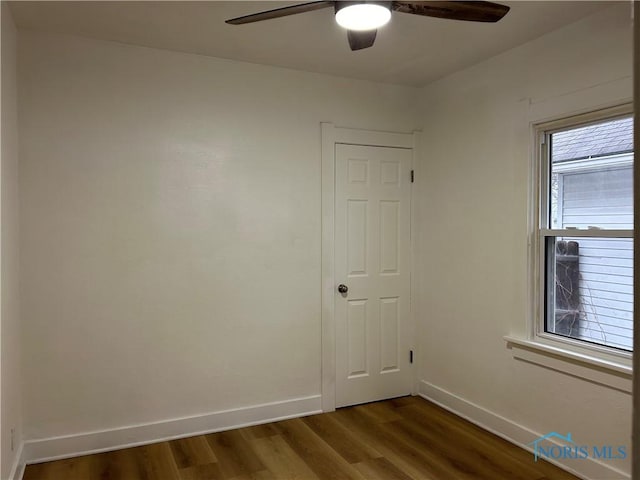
[(372, 241)]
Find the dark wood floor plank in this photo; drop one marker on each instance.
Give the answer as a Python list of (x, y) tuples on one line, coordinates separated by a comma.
[(435, 418), (380, 469), (379, 412), (259, 431), (234, 453), (192, 451), (318, 455), (411, 459), (116, 465), (260, 475), (155, 462), (281, 460), (209, 471), (399, 439), (472, 446), (471, 463), (69, 469), (343, 441)]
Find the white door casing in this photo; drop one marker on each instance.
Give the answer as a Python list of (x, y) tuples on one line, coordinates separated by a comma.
[(331, 137), (372, 245)]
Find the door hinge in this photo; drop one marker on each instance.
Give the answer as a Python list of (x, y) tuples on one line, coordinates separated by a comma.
[(410, 356), (412, 176)]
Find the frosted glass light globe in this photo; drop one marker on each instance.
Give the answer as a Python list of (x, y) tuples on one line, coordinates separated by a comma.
[(363, 16)]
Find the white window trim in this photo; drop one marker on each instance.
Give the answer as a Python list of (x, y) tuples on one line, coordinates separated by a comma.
[(599, 364), (584, 365)]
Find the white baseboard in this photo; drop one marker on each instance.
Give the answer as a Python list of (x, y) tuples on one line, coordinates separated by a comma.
[(17, 470), (45, 449), (513, 432)]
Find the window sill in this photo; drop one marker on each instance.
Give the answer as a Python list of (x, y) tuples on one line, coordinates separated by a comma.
[(603, 372)]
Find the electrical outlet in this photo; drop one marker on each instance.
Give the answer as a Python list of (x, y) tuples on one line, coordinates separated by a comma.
[(13, 434)]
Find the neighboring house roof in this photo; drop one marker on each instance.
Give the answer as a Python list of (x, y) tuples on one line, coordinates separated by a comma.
[(593, 140)]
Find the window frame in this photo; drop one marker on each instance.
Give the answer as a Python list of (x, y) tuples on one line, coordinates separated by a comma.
[(541, 211)]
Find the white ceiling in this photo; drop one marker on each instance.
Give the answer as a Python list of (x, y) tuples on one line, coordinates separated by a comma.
[(410, 50)]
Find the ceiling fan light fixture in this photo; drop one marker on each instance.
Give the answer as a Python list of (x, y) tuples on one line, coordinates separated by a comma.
[(363, 16)]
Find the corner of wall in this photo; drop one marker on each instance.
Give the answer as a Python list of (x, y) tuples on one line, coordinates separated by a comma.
[(11, 458), (19, 464)]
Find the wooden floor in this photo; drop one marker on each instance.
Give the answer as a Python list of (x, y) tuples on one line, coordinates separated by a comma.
[(400, 439)]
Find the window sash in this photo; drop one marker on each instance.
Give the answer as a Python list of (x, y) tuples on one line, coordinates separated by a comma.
[(546, 306), (543, 135), (539, 327), (539, 331), (591, 232)]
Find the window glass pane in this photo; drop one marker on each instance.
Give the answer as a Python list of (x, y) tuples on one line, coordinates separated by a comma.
[(591, 176), (590, 289)]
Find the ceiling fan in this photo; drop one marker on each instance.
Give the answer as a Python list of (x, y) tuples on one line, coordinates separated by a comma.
[(362, 19)]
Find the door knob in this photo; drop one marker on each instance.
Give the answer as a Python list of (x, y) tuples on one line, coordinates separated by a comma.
[(342, 288)]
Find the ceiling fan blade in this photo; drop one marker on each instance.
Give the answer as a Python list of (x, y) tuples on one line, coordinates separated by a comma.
[(469, 11), (280, 12), (359, 39)]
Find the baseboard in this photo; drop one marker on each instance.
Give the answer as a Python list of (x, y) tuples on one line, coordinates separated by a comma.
[(513, 432), (17, 470), (45, 449)]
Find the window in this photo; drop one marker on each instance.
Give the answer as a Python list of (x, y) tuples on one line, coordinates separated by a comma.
[(586, 232)]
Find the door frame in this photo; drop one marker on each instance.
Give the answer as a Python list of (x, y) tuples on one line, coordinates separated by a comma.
[(332, 135)]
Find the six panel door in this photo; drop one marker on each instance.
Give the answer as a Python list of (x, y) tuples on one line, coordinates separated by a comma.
[(372, 246)]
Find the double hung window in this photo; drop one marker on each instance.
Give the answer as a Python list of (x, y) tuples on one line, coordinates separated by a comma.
[(585, 234)]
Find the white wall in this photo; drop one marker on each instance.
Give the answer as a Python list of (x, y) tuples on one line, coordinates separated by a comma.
[(11, 386), (171, 229), (473, 214)]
